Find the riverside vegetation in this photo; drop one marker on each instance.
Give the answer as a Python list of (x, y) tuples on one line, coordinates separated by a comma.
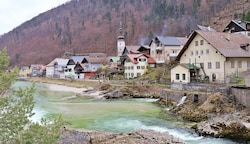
[(16, 109)]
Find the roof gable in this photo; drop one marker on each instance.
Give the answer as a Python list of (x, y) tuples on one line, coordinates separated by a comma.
[(135, 57), (228, 45)]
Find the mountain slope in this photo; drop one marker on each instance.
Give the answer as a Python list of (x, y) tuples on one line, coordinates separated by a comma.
[(83, 26)]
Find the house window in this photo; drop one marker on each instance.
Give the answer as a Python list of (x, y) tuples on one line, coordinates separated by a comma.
[(201, 52), (232, 64), (183, 76), (138, 74), (202, 65), (142, 59), (239, 64), (209, 65), (177, 76), (132, 74), (125, 74), (174, 51), (128, 67), (132, 67), (138, 67), (207, 51), (201, 42), (142, 67), (196, 43), (248, 64), (125, 67), (191, 53), (196, 52), (159, 51), (217, 65)]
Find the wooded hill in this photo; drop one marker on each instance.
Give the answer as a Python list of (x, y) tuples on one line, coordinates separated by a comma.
[(83, 26)]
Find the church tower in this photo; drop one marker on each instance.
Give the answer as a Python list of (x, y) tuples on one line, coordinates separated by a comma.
[(120, 41)]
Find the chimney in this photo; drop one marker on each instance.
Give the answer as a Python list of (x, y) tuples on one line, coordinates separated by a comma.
[(228, 35)]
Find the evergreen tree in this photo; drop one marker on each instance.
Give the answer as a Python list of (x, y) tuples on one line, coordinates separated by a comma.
[(16, 109), (246, 17)]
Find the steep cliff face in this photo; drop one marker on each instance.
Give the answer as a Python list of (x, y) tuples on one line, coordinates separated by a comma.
[(83, 26)]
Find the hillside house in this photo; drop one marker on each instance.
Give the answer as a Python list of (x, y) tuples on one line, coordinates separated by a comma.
[(136, 65), (213, 56), (238, 27), (145, 49), (165, 49), (55, 69)]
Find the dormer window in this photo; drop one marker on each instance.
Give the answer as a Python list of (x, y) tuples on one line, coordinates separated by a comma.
[(244, 46)]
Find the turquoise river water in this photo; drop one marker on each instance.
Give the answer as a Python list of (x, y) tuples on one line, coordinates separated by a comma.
[(111, 116)]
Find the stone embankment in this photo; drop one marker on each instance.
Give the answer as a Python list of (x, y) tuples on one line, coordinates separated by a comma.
[(135, 137), (136, 91), (219, 116)]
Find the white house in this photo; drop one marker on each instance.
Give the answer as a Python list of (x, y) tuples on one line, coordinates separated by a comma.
[(56, 68), (69, 71), (136, 65)]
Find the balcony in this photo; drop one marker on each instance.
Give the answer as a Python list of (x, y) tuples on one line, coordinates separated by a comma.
[(159, 48)]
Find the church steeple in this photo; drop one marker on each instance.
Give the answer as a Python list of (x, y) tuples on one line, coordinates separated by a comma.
[(120, 41)]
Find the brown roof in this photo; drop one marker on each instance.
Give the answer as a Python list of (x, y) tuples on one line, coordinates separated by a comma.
[(132, 48), (227, 44), (97, 60)]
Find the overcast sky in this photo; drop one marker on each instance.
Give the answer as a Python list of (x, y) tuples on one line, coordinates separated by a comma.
[(15, 12)]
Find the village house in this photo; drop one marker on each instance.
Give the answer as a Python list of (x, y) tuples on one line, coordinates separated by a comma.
[(24, 71), (238, 27), (72, 69), (36, 70), (145, 49), (212, 56), (113, 62), (165, 49), (55, 69), (93, 62), (136, 65)]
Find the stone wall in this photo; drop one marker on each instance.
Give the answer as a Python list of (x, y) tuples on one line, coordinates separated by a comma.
[(191, 95), (242, 95), (200, 87)]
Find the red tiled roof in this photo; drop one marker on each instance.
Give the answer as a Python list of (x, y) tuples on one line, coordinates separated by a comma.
[(134, 57)]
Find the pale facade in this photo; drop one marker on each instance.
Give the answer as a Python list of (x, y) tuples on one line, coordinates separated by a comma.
[(165, 49), (136, 65), (217, 55), (180, 73)]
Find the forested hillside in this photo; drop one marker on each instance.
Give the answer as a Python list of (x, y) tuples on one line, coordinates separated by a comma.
[(83, 26)]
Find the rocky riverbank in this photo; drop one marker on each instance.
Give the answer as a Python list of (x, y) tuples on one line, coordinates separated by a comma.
[(135, 137), (219, 116), (134, 91)]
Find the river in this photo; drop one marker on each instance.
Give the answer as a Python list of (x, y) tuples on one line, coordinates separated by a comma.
[(111, 116)]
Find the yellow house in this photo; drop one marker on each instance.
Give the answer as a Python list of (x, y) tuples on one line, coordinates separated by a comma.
[(213, 56), (24, 71), (136, 65)]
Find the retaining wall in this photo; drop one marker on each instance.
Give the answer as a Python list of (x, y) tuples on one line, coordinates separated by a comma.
[(242, 95)]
